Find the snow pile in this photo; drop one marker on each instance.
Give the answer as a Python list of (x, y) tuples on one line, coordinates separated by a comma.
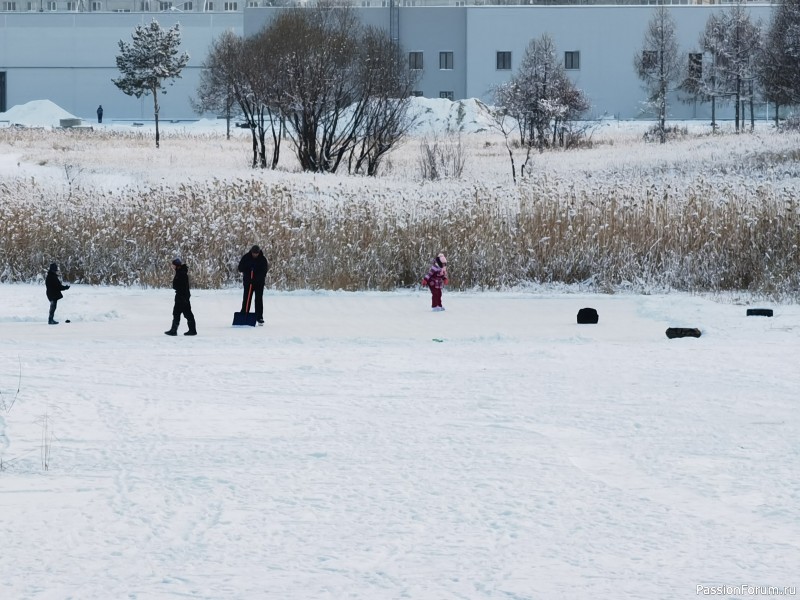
[(437, 115), (430, 115), (36, 113)]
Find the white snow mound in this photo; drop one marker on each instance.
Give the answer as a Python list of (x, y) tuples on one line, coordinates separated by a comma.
[(437, 115), (36, 113)]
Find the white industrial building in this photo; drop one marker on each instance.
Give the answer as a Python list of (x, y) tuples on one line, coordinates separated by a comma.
[(66, 51)]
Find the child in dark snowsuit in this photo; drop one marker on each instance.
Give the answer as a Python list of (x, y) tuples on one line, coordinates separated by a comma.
[(54, 289), (183, 306), (436, 279)]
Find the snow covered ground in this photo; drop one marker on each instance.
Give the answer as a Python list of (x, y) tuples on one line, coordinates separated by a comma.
[(343, 451), (360, 446)]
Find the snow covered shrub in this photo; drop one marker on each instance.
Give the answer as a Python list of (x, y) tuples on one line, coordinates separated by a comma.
[(791, 123), (441, 158), (674, 132)]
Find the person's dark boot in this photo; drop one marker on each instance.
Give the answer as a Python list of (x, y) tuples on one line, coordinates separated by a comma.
[(192, 327), (52, 321), (174, 329)]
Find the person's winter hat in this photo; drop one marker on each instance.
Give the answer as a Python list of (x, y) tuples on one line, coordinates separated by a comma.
[(255, 250), (441, 260), (177, 262), (53, 267)]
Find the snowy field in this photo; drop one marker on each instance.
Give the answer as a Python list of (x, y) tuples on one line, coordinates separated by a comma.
[(360, 446), (343, 451)]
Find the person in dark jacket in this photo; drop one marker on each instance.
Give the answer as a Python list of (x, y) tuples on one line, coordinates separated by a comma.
[(254, 267), (54, 289), (100, 114), (180, 283)]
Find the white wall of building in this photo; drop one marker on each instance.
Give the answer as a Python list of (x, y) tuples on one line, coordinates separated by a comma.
[(607, 37), (70, 58)]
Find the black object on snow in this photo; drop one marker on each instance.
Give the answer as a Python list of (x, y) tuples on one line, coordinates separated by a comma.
[(680, 332)]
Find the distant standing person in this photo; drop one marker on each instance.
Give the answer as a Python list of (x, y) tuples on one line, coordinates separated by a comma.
[(180, 283), (100, 114), (254, 267), (54, 289), (436, 279)]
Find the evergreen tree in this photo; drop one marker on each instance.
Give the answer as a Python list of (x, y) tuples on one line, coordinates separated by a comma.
[(151, 59)]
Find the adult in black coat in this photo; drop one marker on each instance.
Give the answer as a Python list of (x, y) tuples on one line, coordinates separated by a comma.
[(180, 283), (54, 289), (254, 268)]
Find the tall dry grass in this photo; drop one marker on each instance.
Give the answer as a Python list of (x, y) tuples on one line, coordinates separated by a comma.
[(702, 216)]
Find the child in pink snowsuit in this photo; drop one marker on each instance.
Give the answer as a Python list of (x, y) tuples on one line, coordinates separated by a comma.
[(436, 279)]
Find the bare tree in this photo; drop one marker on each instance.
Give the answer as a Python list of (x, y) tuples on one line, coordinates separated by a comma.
[(240, 71), (740, 59), (152, 58), (385, 83), (217, 90), (316, 57), (732, 44), (262, 76), (779, 67), (539, 97), (707, 80), (507, 126), (657, 65), (341, 90)]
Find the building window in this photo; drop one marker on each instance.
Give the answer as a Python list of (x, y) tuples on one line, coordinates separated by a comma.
[(52, 6), (446, 60), (504, 61), (162, 6), (416, 94), (572, 60), (9, 6), (96, 6), (209, 6), (230, 6), (447, 95), (415, 61), (252, 4), (695, 66)]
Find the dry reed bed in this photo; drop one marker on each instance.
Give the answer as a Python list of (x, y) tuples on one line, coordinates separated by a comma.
[(703, 235)]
